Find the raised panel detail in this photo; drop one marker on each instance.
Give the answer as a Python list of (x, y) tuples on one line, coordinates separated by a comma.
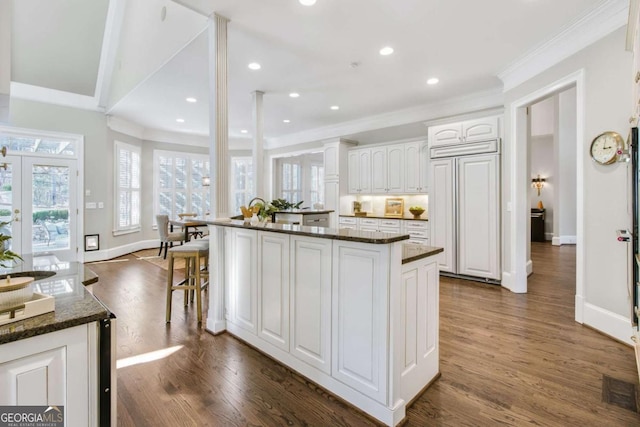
[(359, 317), (379, 168), (441, 218), (244, 279), (478, 216), (311, 301), (420, 323), (38, 379), (273, 289)]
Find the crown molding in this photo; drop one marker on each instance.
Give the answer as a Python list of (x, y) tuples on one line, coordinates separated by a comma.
[(126, 127), (451, 107), (175, 138), (607, 17), (53, 96)]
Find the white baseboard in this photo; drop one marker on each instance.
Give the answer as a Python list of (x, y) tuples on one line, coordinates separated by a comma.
[(111, 253), (548, 237), (579, 315), (564, 240), (609, 323), (529, 268), (506, 280)]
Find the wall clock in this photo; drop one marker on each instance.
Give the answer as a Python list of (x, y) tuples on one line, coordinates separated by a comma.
[(605, 147)]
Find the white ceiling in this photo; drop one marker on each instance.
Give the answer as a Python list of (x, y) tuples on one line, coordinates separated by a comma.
[(57, 44), (309, 50)]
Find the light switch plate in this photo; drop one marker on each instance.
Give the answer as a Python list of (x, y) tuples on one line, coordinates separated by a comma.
[(90, 205), (100, 205)]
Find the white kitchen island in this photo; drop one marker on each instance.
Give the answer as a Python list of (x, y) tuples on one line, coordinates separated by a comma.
[(354, 312)]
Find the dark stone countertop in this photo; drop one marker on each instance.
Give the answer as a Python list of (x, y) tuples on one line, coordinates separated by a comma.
[(374, 237), (305, 211), (74, 305), (410, 217), (413, 252)]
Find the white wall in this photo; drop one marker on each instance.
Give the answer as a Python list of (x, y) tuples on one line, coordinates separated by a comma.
[(565, 220), (607, 95)]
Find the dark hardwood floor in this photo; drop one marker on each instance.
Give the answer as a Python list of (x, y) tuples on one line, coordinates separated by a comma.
[(505, 359)]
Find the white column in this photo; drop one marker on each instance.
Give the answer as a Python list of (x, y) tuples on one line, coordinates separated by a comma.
[(218, 116), (5, 59), (258, 144)]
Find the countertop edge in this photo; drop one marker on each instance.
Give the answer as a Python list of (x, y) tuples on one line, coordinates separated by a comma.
[(54, 327), (429, 251), (302, 230)]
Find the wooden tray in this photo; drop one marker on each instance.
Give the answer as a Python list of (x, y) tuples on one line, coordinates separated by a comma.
[(37, 305)]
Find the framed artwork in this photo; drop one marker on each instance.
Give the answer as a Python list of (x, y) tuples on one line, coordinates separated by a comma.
[(394, 207), (91, 242)]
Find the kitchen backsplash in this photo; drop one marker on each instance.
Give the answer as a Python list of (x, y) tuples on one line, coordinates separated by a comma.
[(375, 204)]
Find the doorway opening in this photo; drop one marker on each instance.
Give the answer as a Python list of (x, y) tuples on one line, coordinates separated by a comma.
[(41, 193), (521, 178)]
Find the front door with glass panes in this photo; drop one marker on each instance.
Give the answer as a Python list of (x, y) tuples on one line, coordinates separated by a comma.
[(38, 197)]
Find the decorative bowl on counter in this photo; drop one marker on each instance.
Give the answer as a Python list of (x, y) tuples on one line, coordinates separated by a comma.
[(416, 211), (15, 291)]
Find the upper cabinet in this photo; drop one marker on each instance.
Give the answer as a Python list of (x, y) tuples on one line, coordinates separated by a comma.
[(416, 165), (389, 169), (387, 163), (463, 132), (359, 163)]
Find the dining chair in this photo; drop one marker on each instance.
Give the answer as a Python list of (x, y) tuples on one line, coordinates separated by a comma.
[(166, 237)]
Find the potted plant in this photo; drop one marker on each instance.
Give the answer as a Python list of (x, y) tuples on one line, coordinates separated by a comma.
[(7, 257)]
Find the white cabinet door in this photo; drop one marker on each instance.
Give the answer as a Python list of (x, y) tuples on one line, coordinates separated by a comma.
[(480, 129), (360, 317), (420, 301), (379, 170), (424, 168), (273, 289), (53, 369), (412, 167), (243, 279), (364, 170), (478, 216), (441, 218), (353, 164), (395, 166), (311, 301), (445, 134), (359, 164), (416, 167)]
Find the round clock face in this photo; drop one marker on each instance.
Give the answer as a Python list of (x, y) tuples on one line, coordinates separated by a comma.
[(604, 147)]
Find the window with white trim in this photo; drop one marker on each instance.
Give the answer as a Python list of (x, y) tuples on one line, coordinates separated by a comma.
[(301, 178), (178, 183), (127, 163), (242, 189)]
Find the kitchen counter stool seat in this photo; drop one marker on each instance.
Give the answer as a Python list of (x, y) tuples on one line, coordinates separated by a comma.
[(192, 253)]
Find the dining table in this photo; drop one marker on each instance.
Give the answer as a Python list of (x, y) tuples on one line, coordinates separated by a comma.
[(189, 223)]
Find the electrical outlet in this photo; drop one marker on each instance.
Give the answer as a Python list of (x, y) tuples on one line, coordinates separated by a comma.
[(100, 205)]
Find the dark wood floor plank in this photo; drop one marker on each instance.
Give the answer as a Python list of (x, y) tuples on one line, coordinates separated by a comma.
[(506, 359)]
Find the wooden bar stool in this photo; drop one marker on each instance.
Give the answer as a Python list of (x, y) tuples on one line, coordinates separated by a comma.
[(192, 253)]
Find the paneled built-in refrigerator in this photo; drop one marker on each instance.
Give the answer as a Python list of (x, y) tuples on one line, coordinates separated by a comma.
[(464, 215)]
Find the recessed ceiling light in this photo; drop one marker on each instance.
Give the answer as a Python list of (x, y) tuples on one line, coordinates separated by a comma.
[(244, 131), (335, 107), (294, 95), (433, 81), (307, 2), (180, 120), (191, 99), (255, 66), (287, 121), (387, 50)]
